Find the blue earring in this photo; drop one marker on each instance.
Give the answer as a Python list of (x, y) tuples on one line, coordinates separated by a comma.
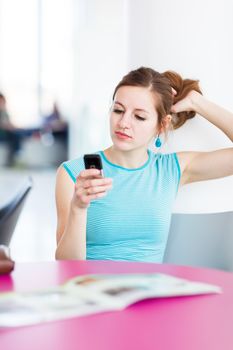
[(158, 142)]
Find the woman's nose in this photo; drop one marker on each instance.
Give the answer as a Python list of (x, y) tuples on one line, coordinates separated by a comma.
[(125, 121)]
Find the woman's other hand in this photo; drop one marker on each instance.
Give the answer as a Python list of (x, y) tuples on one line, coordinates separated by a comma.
[(90, 185)]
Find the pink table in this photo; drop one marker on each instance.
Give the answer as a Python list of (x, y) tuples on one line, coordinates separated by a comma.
[(200, 322)]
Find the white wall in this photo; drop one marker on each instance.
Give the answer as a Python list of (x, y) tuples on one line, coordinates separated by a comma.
[(194, 38), (100, 60)]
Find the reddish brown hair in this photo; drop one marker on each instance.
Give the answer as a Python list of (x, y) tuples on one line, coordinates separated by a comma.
[(161, 85)]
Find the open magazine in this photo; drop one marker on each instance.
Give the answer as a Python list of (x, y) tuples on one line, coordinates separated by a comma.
[(90, 294)]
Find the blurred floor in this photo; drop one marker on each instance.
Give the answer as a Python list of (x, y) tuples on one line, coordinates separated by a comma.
[(34, 237)]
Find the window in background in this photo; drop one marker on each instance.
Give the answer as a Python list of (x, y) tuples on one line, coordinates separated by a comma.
[(35, 57)]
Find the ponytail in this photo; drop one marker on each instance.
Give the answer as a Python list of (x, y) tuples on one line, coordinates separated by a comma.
[(182, 87)]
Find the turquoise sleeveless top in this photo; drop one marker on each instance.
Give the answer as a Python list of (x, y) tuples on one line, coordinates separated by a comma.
[(132, 221)]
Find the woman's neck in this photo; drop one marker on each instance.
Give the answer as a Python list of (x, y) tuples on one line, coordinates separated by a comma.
[(127, 159)]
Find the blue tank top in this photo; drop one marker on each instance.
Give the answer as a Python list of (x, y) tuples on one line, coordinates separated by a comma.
[(132, 221)]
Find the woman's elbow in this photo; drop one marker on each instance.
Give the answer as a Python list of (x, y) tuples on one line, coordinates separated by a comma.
[(59, 255)]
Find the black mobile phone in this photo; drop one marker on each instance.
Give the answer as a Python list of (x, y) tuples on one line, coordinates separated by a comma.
[(93, 161)]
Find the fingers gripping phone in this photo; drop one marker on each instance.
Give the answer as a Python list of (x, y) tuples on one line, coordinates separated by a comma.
[(93, 161)]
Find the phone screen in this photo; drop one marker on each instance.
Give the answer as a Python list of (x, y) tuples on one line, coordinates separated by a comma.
[(93, 161)]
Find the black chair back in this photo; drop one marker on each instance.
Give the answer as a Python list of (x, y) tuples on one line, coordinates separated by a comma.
[(10, 212)]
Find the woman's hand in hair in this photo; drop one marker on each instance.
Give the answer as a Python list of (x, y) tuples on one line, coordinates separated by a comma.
[(174, 92), (186, 104)]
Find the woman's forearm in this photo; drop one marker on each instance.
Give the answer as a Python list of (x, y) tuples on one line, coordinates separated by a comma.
[(215, 114), (72, 244)]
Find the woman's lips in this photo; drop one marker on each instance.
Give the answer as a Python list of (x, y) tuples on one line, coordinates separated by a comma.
[(121, 135)]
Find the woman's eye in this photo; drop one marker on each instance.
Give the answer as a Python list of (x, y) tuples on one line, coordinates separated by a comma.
[(118, 111), (139, 118)]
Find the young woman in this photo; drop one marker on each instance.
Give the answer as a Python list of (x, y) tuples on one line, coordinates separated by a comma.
[(126, 215)]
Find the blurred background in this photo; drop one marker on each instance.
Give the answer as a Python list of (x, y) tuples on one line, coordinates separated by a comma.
[(59, 63)]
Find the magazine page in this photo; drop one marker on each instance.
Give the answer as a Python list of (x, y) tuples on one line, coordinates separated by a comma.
[(120, 290), (89, 294), (28, 308)]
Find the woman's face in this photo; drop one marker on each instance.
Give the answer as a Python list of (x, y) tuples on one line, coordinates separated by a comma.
[(133, 118)]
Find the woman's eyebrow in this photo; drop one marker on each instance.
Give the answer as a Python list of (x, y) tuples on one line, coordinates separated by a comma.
[(136, 109), (119, 103), (141, 110)]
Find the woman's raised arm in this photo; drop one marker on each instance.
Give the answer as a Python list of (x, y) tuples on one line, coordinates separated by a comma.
[(199, 166)]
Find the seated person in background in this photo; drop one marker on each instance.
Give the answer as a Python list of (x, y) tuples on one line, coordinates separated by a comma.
[(56, 125), (126, 214), (8, 132)]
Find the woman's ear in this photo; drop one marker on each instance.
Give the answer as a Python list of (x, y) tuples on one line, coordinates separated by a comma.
[(166, 122)]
